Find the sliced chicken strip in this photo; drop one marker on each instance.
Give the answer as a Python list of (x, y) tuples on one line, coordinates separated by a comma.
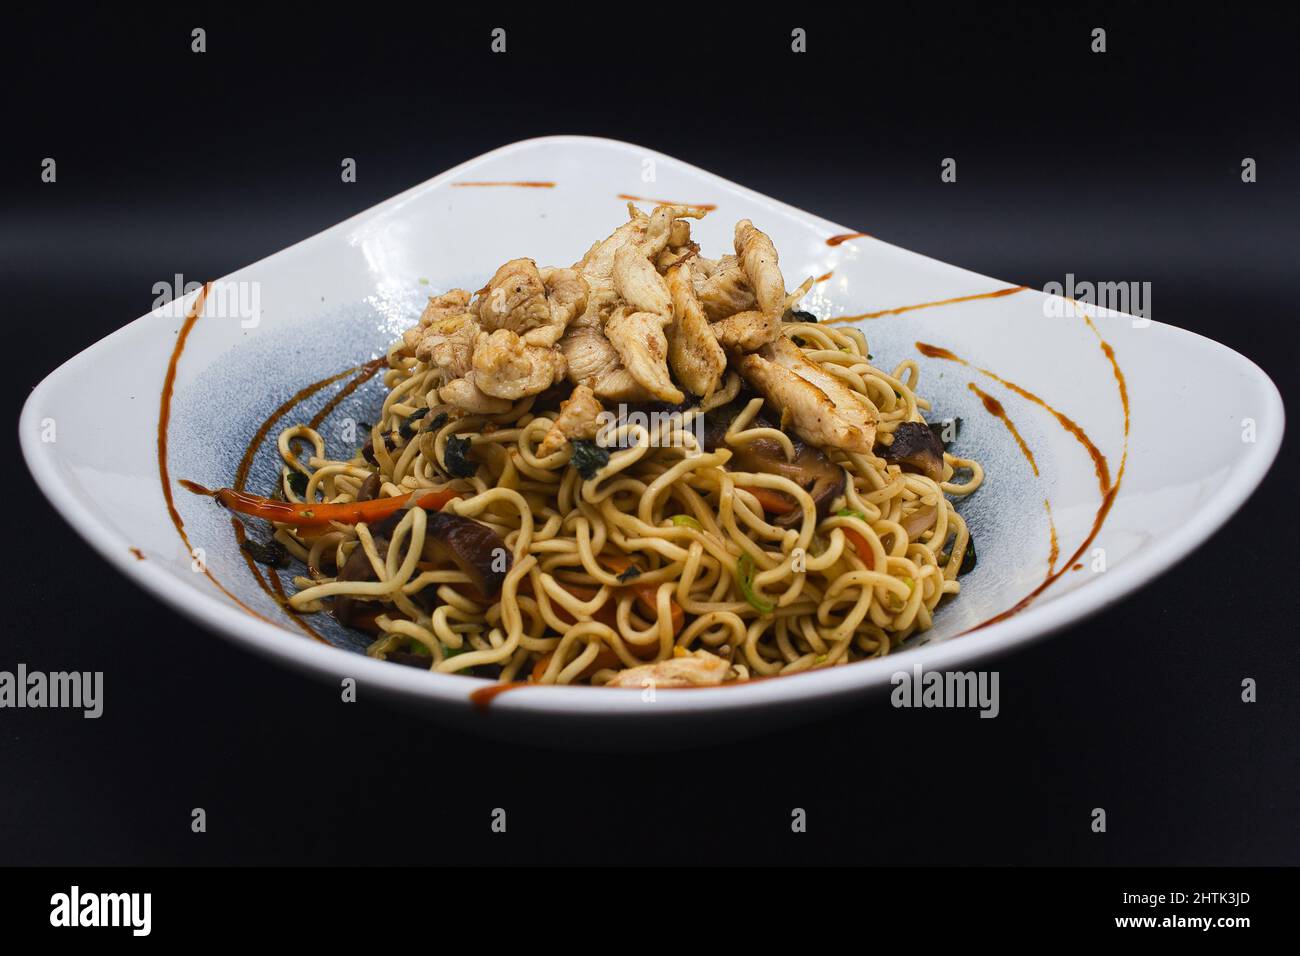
[(691, 670), (824, 411), (643, 347), (758, 258), (668, 227), (694, 354), (579, 418), (506, 367), (515, 299), (747, 331), (724, 290), (465, 395), (452, 302), (446, 344), (639, 282), (597, 266)]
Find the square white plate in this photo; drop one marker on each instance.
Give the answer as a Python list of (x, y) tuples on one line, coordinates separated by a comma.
[(1179, 431)]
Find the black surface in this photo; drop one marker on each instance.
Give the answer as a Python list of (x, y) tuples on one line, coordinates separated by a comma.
[(1122, 166)]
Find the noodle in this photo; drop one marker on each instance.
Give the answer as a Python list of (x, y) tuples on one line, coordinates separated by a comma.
[(838, 608)]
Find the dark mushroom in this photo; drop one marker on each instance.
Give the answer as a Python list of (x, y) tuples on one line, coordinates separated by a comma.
[(916, 448), (350, 611), (369, 489), (811, 469), (473, 547)]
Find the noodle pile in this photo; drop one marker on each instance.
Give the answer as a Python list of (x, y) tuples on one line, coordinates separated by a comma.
[(715, 574)]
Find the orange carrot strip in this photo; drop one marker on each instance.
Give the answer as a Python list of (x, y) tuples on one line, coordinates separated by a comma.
[(308, 514), (774, 502)]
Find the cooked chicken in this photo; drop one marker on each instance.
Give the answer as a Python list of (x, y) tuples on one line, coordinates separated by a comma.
[(669, 228), (515, 299), (507, 367), (690, 670), (463, 394), (747, 331), (723, 289), (452, 302), (758, 258), (597, 266), (694, 354), (639, 283), (566, 294), (643, 347), (823, 409), (447, 343), (578, 418)]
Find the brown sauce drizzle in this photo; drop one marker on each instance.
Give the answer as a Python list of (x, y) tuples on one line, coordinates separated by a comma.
[(139, 555), (164, 419), (270, 583), (824, 276), (523, 184), (1054, 551), (994, 408), (1109, 489), (996, 294), (707, 206), (845, 237)]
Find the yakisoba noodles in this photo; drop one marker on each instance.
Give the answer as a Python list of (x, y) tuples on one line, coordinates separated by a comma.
[(647, 467)]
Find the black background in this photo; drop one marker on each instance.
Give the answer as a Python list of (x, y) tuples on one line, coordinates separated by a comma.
[(1122, 166)]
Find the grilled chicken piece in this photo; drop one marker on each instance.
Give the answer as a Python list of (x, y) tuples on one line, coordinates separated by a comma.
[(447, 343), (579, 418), (515, 299), (643, 347), (691, 670), (467, 396), (723, 289), (535, 304), (823, 409), (694, 354), (758, 258), (747, 331), (597, 266), (505, 366), (669, 228), (639, 283)]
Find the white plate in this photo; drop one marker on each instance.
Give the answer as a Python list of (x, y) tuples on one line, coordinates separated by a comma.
[(337, 298)]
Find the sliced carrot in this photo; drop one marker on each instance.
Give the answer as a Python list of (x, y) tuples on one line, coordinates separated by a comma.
[(860, 545), (308, 514), (647, 595), (773, 502)]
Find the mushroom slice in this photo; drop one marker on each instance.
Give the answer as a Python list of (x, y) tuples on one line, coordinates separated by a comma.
[(579, 418), (472, 546), (698, 669), (823, 409), (915, 447), (693, 350), (643, 347), (810, 468)]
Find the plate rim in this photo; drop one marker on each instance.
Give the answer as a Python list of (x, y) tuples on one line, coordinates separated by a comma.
[(270, 640)]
